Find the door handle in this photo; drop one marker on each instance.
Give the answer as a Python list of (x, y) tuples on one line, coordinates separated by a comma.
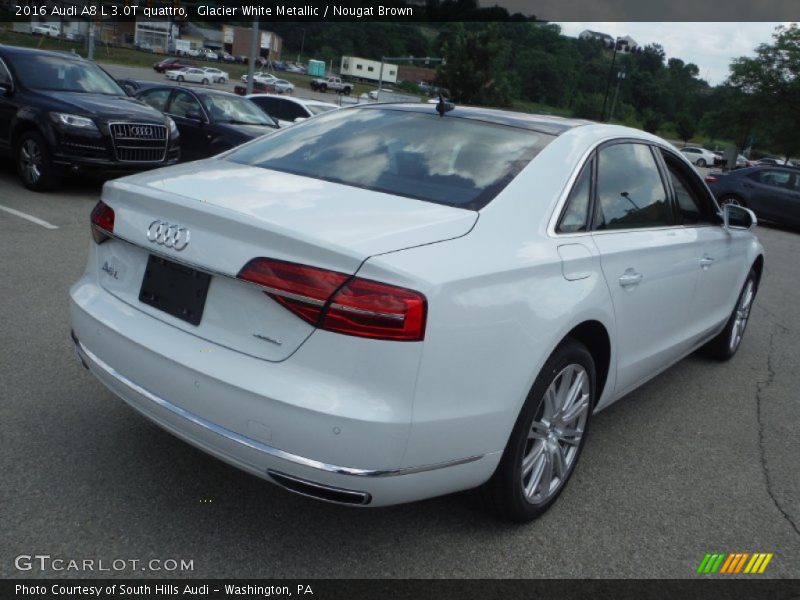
[(630, 278), (706, 262)]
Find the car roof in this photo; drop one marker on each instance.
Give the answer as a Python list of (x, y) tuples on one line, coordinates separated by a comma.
[(18, 50), (541, 123)]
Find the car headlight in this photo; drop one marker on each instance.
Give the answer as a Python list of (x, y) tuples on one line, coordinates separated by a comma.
[(76, 121), (173, 129)]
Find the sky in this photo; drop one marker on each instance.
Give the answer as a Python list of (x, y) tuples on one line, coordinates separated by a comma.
[(710, 46)]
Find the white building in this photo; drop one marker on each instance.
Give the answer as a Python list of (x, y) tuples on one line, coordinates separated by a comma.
[(370, 70)]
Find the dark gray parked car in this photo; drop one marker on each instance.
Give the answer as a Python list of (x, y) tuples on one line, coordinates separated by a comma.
[(772, 192)]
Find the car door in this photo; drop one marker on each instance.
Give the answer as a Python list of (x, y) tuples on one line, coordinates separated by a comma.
[(192, 122), (720, 255), (648, 261)]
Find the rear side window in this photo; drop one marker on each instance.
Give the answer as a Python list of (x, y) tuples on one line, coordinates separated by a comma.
[(445, 160), (576, 210), (774, 178), (630, 192)]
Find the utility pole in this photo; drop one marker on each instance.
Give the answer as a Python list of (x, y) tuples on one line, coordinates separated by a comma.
[(620, 77), (618, 43), (90, 52), (255, 43), (302, 44)]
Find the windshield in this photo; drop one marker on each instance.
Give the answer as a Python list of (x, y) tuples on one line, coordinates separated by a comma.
[(446, 160), (45, 72), (235, 109)]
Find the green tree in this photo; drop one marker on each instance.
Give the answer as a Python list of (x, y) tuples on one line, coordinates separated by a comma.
[(770, 84), (686, 126), (477, 67)]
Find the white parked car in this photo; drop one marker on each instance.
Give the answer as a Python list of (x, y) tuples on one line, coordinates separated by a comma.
[(700, 156), (216, 75), (208, 54), (287, 110), (283, 87), (261, 77), (382, 304), (47, 29), (373, 94), (189, 74)]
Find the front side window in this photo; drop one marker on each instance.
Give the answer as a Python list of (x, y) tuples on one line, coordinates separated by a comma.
[(5, 76), (689, 193), (445, 160), (630, 192), (185, 105), (156, 98)]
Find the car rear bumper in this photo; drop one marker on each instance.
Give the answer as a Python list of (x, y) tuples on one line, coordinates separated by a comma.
[(319, 453)]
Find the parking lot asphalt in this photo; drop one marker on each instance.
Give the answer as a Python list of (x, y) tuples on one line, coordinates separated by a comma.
[(704, 458)]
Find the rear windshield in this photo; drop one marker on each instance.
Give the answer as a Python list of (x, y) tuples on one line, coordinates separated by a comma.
[(445, 160)]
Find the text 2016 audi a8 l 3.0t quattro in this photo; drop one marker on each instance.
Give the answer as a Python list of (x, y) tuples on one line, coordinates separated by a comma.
[(391, 302)]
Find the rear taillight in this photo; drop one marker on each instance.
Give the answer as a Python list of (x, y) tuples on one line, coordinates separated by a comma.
[(102, 221), (711, 178), (341, 303)]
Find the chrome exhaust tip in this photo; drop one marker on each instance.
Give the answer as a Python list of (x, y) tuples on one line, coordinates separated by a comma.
[(319, 491)]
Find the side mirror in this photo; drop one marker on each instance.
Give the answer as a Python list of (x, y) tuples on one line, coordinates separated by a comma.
[(738, 217)]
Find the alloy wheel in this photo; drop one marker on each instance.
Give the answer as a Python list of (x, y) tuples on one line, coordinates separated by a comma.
[(742, 314), (555, 435), (31, 160)]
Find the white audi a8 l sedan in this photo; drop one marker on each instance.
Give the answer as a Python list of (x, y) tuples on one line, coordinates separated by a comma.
[(391, 302)]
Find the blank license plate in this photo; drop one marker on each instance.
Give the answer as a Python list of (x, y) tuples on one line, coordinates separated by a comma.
[(175, 289)]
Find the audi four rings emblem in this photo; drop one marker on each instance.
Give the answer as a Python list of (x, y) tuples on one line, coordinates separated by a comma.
[(168, 235), (142, 131)]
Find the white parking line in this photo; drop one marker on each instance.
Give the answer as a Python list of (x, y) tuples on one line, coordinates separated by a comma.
[(28, 217)]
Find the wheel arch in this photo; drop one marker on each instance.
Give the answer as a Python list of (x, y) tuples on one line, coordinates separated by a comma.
[(758, 267), (594, 335)]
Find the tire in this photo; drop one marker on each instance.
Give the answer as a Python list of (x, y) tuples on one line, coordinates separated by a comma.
[(727, 342), (540, 443), (701, 162), (323, 88), (34, 163), (180, 77), (347, 91), (731, 199), (205, 82)]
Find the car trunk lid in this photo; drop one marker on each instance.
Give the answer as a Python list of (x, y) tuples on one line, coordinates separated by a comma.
[(231, 214)]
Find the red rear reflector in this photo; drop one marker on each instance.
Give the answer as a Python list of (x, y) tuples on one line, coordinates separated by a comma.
[(102, 219), (341, 303), (711, 178)]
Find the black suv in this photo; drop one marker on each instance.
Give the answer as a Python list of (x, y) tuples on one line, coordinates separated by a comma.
[(62, 114)]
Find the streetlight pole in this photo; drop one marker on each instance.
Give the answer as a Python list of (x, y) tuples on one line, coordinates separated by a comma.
[(618, 42), (620, 77), (302, 44), (254, 45)]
